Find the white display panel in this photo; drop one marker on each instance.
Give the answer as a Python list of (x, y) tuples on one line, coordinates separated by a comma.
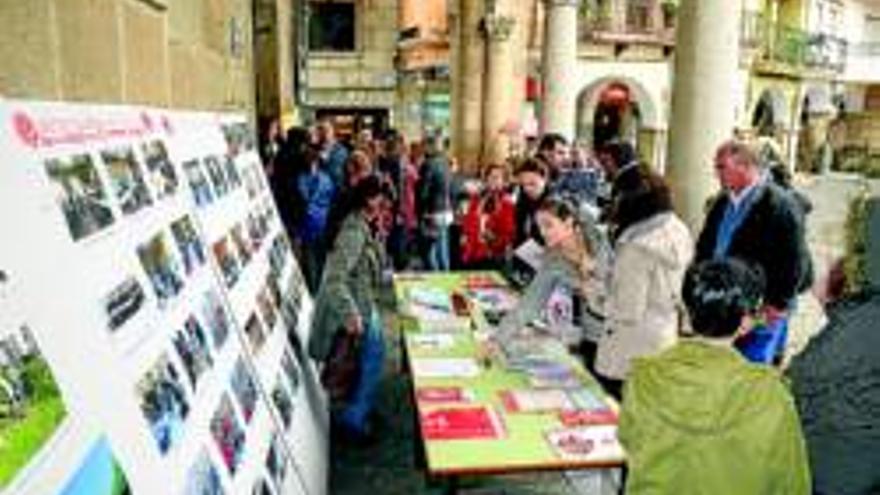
[(148, 261)]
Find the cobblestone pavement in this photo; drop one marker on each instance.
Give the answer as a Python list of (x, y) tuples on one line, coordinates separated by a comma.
[(388, 468)]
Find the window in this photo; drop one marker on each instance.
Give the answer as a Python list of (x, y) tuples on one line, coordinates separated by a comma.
[(332, 27)]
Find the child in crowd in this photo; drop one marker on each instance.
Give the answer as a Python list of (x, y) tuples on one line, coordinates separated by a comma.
[(699, 418)]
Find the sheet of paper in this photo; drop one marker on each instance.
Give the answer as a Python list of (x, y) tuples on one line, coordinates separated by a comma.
[(445, 368), (531, 253), (590, 443), (432, 341)]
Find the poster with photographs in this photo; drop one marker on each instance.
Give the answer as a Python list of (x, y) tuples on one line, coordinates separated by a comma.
[(80, 194), (228, 434), (154, 233), (31, 407), (164, 403), (100, 474)]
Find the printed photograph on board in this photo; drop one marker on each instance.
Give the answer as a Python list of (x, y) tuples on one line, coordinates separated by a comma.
[(215, 317), (255, 333), (164, 404), (126, 179), (232, 175), (266, 307), (161, 268), (203, 477), (192, 252), (250, 182), (192, 346), (245, 389), (123, 302), (227, 261), (276, 462), (216, 174), (228, 434), (198, 183), (245, 250), (100, 474), (163, 177), (31, 407), (80, 194), (283, 401), (290, 367)]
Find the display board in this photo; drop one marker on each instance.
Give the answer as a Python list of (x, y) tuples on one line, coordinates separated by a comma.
[(152, 315)]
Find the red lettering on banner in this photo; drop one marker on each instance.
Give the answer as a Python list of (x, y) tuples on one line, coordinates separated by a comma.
[(26, 129), (53, 131)]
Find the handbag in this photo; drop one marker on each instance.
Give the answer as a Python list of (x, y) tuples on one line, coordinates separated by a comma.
[(341, 369)]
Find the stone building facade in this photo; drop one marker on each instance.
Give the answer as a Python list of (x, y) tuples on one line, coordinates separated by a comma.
[(350, 74), (180, 54)]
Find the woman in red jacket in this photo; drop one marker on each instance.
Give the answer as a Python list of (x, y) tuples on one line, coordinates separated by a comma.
[(489, 225)]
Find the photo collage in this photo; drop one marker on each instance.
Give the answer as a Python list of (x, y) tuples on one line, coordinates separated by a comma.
[(136, 177), (168, 292)]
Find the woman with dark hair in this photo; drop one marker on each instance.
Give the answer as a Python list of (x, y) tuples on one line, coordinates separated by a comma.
[(345, 307), (698, 417), (569, 288), (652, 250)]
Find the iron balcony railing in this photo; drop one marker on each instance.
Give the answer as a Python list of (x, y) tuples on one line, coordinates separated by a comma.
[(789, 46)]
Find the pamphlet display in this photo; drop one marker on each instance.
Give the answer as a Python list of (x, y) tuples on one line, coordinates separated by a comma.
[(152, 316)]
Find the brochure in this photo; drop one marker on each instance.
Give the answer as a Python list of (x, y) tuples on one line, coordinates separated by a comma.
[(462, 423), (442, 395), (590, 443), (445, 367), (535, 400)]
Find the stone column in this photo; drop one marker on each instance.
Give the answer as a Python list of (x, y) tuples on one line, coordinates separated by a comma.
[(559, 67), (703, 116), (499, 83), (469, 81)]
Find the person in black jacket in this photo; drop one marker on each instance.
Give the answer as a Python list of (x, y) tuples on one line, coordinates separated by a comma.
[(434, 205), (756, 221)]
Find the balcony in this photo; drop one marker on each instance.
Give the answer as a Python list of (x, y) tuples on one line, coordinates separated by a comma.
[(778, 48), (641, 23)]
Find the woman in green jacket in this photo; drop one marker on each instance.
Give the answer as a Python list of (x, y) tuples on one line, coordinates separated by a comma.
[(699, 418), (346, 304)]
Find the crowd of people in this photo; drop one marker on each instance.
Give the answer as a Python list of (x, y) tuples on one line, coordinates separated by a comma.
[(688, 331)]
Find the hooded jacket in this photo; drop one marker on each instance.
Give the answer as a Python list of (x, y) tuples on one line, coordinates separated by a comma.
[(699, 419), (643, 305)]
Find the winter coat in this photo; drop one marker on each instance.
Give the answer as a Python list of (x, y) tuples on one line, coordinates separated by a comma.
[(836, 384), (352, 274), (699, 419), (488, 227), (771, 237), (643, 304)]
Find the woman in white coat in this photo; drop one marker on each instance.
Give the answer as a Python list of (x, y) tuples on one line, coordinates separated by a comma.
[(652, 250)]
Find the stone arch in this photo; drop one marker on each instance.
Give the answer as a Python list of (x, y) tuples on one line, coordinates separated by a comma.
[(588, 98)]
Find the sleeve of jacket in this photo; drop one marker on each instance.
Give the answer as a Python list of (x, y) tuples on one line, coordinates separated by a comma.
[(785, 235), (532, 302), (340, 263)]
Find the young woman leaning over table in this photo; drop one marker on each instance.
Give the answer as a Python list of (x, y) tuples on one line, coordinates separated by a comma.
[(577, 264)]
